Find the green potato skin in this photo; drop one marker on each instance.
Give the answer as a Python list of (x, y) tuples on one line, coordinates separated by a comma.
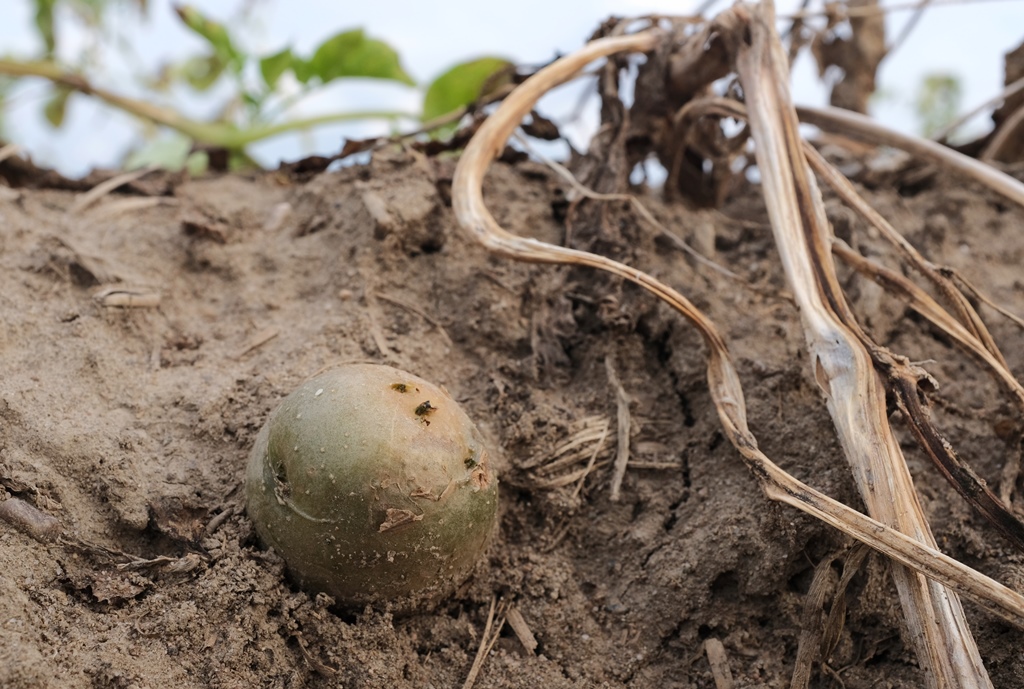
[(374, 486)]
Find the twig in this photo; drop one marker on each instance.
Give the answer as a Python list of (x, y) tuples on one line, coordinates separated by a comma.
[(719, 662), (837, 611), (908, 27), (127, 297), (622, 429), (580, 474), (1010, 474), (372, 312), (983, 298), (522, 629), (103, 188), (590, 428), (940, 276), (639, 207), (487, 641), (960, 305), (723, 381), (811, 624), (419, 312), (1003, 136), (258, 340), (970, 332), (921, 301)]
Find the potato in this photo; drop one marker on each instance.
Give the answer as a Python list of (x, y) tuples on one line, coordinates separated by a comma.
[(374, 486)]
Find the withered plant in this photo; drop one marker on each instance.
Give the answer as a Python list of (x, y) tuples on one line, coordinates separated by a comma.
[(682, 123)]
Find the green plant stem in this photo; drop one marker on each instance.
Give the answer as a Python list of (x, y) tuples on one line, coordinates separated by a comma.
[(219, 134)]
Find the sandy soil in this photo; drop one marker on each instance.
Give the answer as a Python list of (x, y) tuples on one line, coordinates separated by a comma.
[(132, 426)]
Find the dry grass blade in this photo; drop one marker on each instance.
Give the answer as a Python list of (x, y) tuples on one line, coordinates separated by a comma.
[(843, 364), (724, 385), (820, 634), (592, 461), (940, 276), (937, 275), (487, 640), (866, 129), (837, 612), (811, 625)]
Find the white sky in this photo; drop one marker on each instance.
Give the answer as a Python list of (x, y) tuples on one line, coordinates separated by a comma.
[(966, 40)]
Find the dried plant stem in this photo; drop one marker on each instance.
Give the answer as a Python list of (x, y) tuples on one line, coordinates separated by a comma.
[(843, 366), (919, 300), (640, 208), (1003, 136), (955, 299), (723, 381), (487, 640), (718, 659), (903, 379), (866, 129), (103, 188), (623, 424)]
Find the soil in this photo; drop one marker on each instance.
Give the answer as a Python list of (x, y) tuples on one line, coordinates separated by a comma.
[(132, 427)]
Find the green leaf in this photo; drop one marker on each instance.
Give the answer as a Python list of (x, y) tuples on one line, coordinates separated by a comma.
[(44, 24), (352, 54), (214, 33), (273, 66), (302, 68), (463, 84), (202, 72), (57, 106)]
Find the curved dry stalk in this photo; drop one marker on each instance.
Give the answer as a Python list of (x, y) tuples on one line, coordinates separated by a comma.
[(866, 129), (845, 358), (723, 381), (633, 201), (940, 276), (903, 379)]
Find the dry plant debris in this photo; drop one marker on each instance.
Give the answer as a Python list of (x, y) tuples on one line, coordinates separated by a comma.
[(853, 372)]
